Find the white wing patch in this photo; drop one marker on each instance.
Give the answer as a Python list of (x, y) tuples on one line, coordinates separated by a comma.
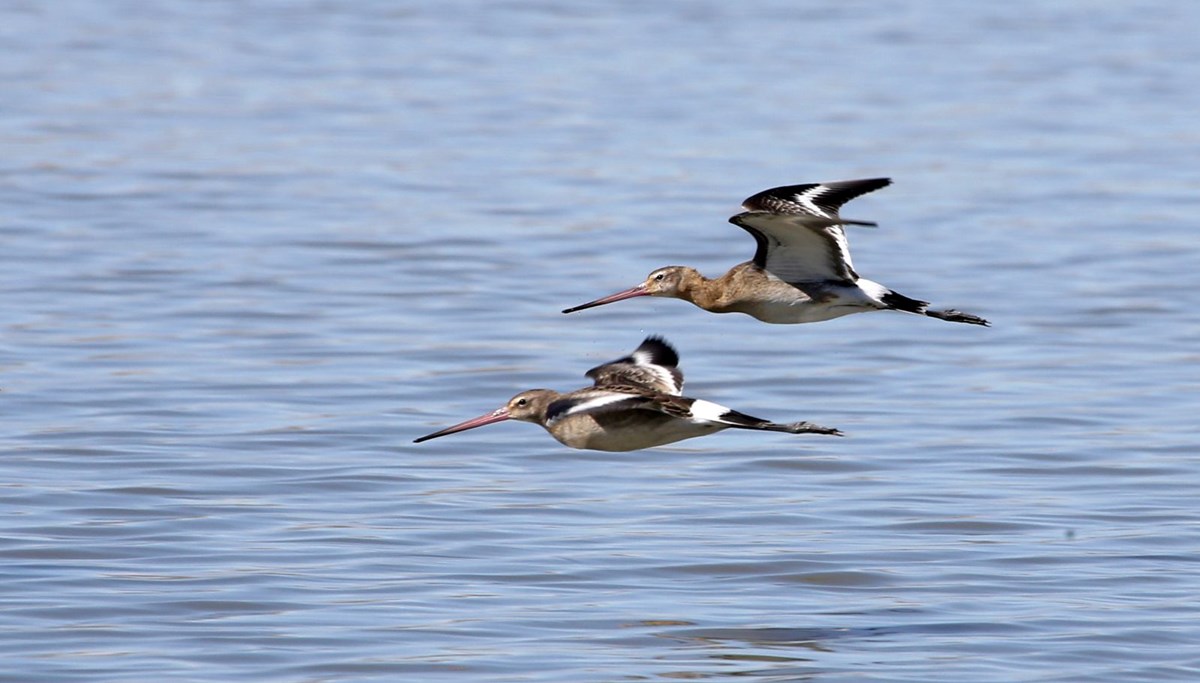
[(707, 411), (592, 403), (799, 233), (667, 379), (641, 357), (801, 249), (806, 200)]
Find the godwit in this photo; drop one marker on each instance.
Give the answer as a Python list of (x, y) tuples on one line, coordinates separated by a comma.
[(635, 403), (801, 272)]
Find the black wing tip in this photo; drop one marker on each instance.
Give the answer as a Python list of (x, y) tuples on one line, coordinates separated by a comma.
[(656, 349), (859, 186), (835, 194), (872, 183), (660, 351)]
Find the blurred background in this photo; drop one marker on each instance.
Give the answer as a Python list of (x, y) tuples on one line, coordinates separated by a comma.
[(251, 250)]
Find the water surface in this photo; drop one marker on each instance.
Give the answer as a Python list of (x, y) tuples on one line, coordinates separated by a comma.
[(252, 250)]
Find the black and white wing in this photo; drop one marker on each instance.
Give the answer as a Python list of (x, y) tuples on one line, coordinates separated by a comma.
[(610, 399), (599, 401), (799, 232), (653, 367)]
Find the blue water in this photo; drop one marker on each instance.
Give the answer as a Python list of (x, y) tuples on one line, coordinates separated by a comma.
[(251, 250)]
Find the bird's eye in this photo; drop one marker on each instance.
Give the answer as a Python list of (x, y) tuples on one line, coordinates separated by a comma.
[(521, 402), (659, 277)]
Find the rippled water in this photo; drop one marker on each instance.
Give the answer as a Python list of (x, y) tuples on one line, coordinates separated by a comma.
[(251, 250)]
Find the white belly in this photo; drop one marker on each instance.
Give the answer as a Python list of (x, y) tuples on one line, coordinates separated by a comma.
[(787, 305), (629, 431)]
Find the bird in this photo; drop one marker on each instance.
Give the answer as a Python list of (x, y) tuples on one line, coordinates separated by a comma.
[(801, 271), (635, 402)]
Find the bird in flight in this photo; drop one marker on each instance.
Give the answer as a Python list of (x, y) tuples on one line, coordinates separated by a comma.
[(635, 402), (801, 271)]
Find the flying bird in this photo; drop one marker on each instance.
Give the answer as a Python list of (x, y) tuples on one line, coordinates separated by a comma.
[(801, 271), (634, 403)]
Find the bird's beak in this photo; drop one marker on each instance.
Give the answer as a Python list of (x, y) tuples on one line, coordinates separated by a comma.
[(640, 290), (498, 415)]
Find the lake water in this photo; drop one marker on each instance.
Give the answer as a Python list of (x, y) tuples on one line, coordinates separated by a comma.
[(251, 250)]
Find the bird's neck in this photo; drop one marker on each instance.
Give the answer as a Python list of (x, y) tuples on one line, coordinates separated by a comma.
[(707, 293)]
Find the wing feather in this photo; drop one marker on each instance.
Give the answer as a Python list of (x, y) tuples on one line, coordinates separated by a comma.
[(798, 231), (652, 367), (595, 402), (798, 248)]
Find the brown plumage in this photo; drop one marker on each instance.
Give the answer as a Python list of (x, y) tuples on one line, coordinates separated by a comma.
[(801, 271), (634, 403)]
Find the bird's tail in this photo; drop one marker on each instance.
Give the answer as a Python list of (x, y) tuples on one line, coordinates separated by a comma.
[(897, 301), (707, 411), (802, 428), (957, 317), (743, 421)]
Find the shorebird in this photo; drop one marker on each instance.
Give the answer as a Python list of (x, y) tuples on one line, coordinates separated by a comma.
[(634, 403), (801, 271)]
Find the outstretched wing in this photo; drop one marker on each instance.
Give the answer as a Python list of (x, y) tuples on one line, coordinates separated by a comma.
[(799, 232), (653, 367)]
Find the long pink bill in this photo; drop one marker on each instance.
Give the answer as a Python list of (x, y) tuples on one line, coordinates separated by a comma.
[(498, 415), (640, 290)]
